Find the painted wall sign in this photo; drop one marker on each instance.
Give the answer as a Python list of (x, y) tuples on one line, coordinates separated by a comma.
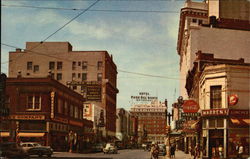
[(233, 99), (190, 114), (190, 106), (215, 112)]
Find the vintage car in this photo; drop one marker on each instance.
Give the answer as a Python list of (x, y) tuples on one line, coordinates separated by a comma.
[(37, 149), (12, 150), (110, 148), (162, 149)]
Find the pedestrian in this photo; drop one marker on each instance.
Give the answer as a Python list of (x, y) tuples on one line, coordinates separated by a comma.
[(152, 150), (240, 151), (221, 151), (172, 151), (196, 151)]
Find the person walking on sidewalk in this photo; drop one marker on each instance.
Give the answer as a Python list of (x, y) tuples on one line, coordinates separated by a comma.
[(172, 151)]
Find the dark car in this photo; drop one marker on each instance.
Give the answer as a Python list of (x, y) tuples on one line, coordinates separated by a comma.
[(162, 149), (37, 149), (12, 150)]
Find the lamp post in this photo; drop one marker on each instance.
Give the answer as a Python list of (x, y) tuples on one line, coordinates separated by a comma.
[(168, 115)]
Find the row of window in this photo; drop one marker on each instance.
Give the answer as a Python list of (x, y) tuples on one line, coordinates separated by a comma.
[(59, 65), (34, 104), (84, 77)]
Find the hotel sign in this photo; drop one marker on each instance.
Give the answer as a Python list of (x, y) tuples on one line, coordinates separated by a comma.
[(215, 112)]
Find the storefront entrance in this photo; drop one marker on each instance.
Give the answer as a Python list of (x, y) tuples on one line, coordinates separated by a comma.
[(215, 143)]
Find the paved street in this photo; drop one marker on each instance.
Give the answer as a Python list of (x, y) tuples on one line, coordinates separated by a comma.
[(122, 154)]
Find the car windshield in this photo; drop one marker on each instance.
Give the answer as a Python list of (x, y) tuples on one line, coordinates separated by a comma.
[(36, 145)]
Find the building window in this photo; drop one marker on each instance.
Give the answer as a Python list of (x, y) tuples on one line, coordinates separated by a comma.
[(73, 65), (36, 68), (66, 108), (79, 63), (194, 20), (84, 76), (215, 97), (59, 76), (99, 65), (99, 77), (59, 65), (199, 21), (52, 75), (34, 103), (76, 113), (79, 75), (73, 76), (84, 65), (74, 87), (51, 65), (29, 65)]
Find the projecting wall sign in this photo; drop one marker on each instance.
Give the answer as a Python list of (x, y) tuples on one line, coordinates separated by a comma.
[(233, 99)]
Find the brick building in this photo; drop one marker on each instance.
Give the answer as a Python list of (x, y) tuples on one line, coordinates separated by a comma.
[(91, 73), (45, 111), (151, 121)]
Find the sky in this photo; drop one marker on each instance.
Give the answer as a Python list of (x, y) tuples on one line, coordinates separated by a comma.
[(141, 42)]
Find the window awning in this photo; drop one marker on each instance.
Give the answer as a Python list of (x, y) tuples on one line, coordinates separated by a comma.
[(26, 134), (4, 134), (240, 122)]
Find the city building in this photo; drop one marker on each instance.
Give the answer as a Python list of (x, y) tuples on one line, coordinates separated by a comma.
[(221, 86), (123, 126), (214, 26), (91, 73), (151, 121), (45, 111)]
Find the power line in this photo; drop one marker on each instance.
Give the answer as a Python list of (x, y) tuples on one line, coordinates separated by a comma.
[(124, 71), (67, 23), (93, 10)]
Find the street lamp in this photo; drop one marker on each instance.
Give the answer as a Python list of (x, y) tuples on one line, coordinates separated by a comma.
[(168, 115)]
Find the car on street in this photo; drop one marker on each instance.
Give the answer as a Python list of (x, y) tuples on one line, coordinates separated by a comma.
[(12, 150), (97, 147), (110, 148), (36, 149), (162, 149)]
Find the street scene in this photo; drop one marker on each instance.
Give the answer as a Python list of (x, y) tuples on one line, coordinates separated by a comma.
[(125, 79)]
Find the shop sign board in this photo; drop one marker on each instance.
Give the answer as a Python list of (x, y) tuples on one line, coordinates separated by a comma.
[(215, 112), (27, 117), (239, 113), (190, 114), (190, 106), (93, 92), (233, 99)]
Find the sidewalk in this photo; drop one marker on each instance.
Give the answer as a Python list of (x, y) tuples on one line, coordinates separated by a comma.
[(178, 155)]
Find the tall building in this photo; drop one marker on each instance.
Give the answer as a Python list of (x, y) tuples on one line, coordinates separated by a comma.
[(212, 27), (123, 125), (151, 121), (91, 73)]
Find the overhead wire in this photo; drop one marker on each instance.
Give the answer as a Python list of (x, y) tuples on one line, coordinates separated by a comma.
[(93, 10), (71, 20), (65, 59)]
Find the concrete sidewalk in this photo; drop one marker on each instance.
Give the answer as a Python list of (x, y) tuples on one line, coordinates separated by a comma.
[(178, 155)]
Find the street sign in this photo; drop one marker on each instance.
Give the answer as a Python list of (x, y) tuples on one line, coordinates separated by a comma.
[(190, 106)]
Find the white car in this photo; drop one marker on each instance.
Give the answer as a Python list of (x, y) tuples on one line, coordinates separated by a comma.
[(36, 149), (110, 148)]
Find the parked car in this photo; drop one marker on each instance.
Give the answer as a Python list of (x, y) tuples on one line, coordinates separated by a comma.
[(12, 150), (98, 147), (110, 148), (162, 149), (37, 149)]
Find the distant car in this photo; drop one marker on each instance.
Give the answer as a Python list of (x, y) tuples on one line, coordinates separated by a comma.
[(162, 149), (97, 147), (110, 148), (37, 149), (12, 150)]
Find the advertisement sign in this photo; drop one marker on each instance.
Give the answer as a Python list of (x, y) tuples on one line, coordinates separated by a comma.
[(190, 106), (94, 92), (233, 99), (215, 112), (190, 114)]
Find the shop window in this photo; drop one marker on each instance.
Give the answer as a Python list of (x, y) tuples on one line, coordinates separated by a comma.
[(84, 65), (220, 123), (51, 65), (215, 97), (211, 123), (59, 65), (29, 65), (36, 68), (34, 102)]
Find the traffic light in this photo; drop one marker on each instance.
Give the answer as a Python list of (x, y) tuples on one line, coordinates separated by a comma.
[(3, 111)]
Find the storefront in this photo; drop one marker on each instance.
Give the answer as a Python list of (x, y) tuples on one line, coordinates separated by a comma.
[(223, 130)]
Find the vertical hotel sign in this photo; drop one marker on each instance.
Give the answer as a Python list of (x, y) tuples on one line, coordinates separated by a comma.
[(52, 104)]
